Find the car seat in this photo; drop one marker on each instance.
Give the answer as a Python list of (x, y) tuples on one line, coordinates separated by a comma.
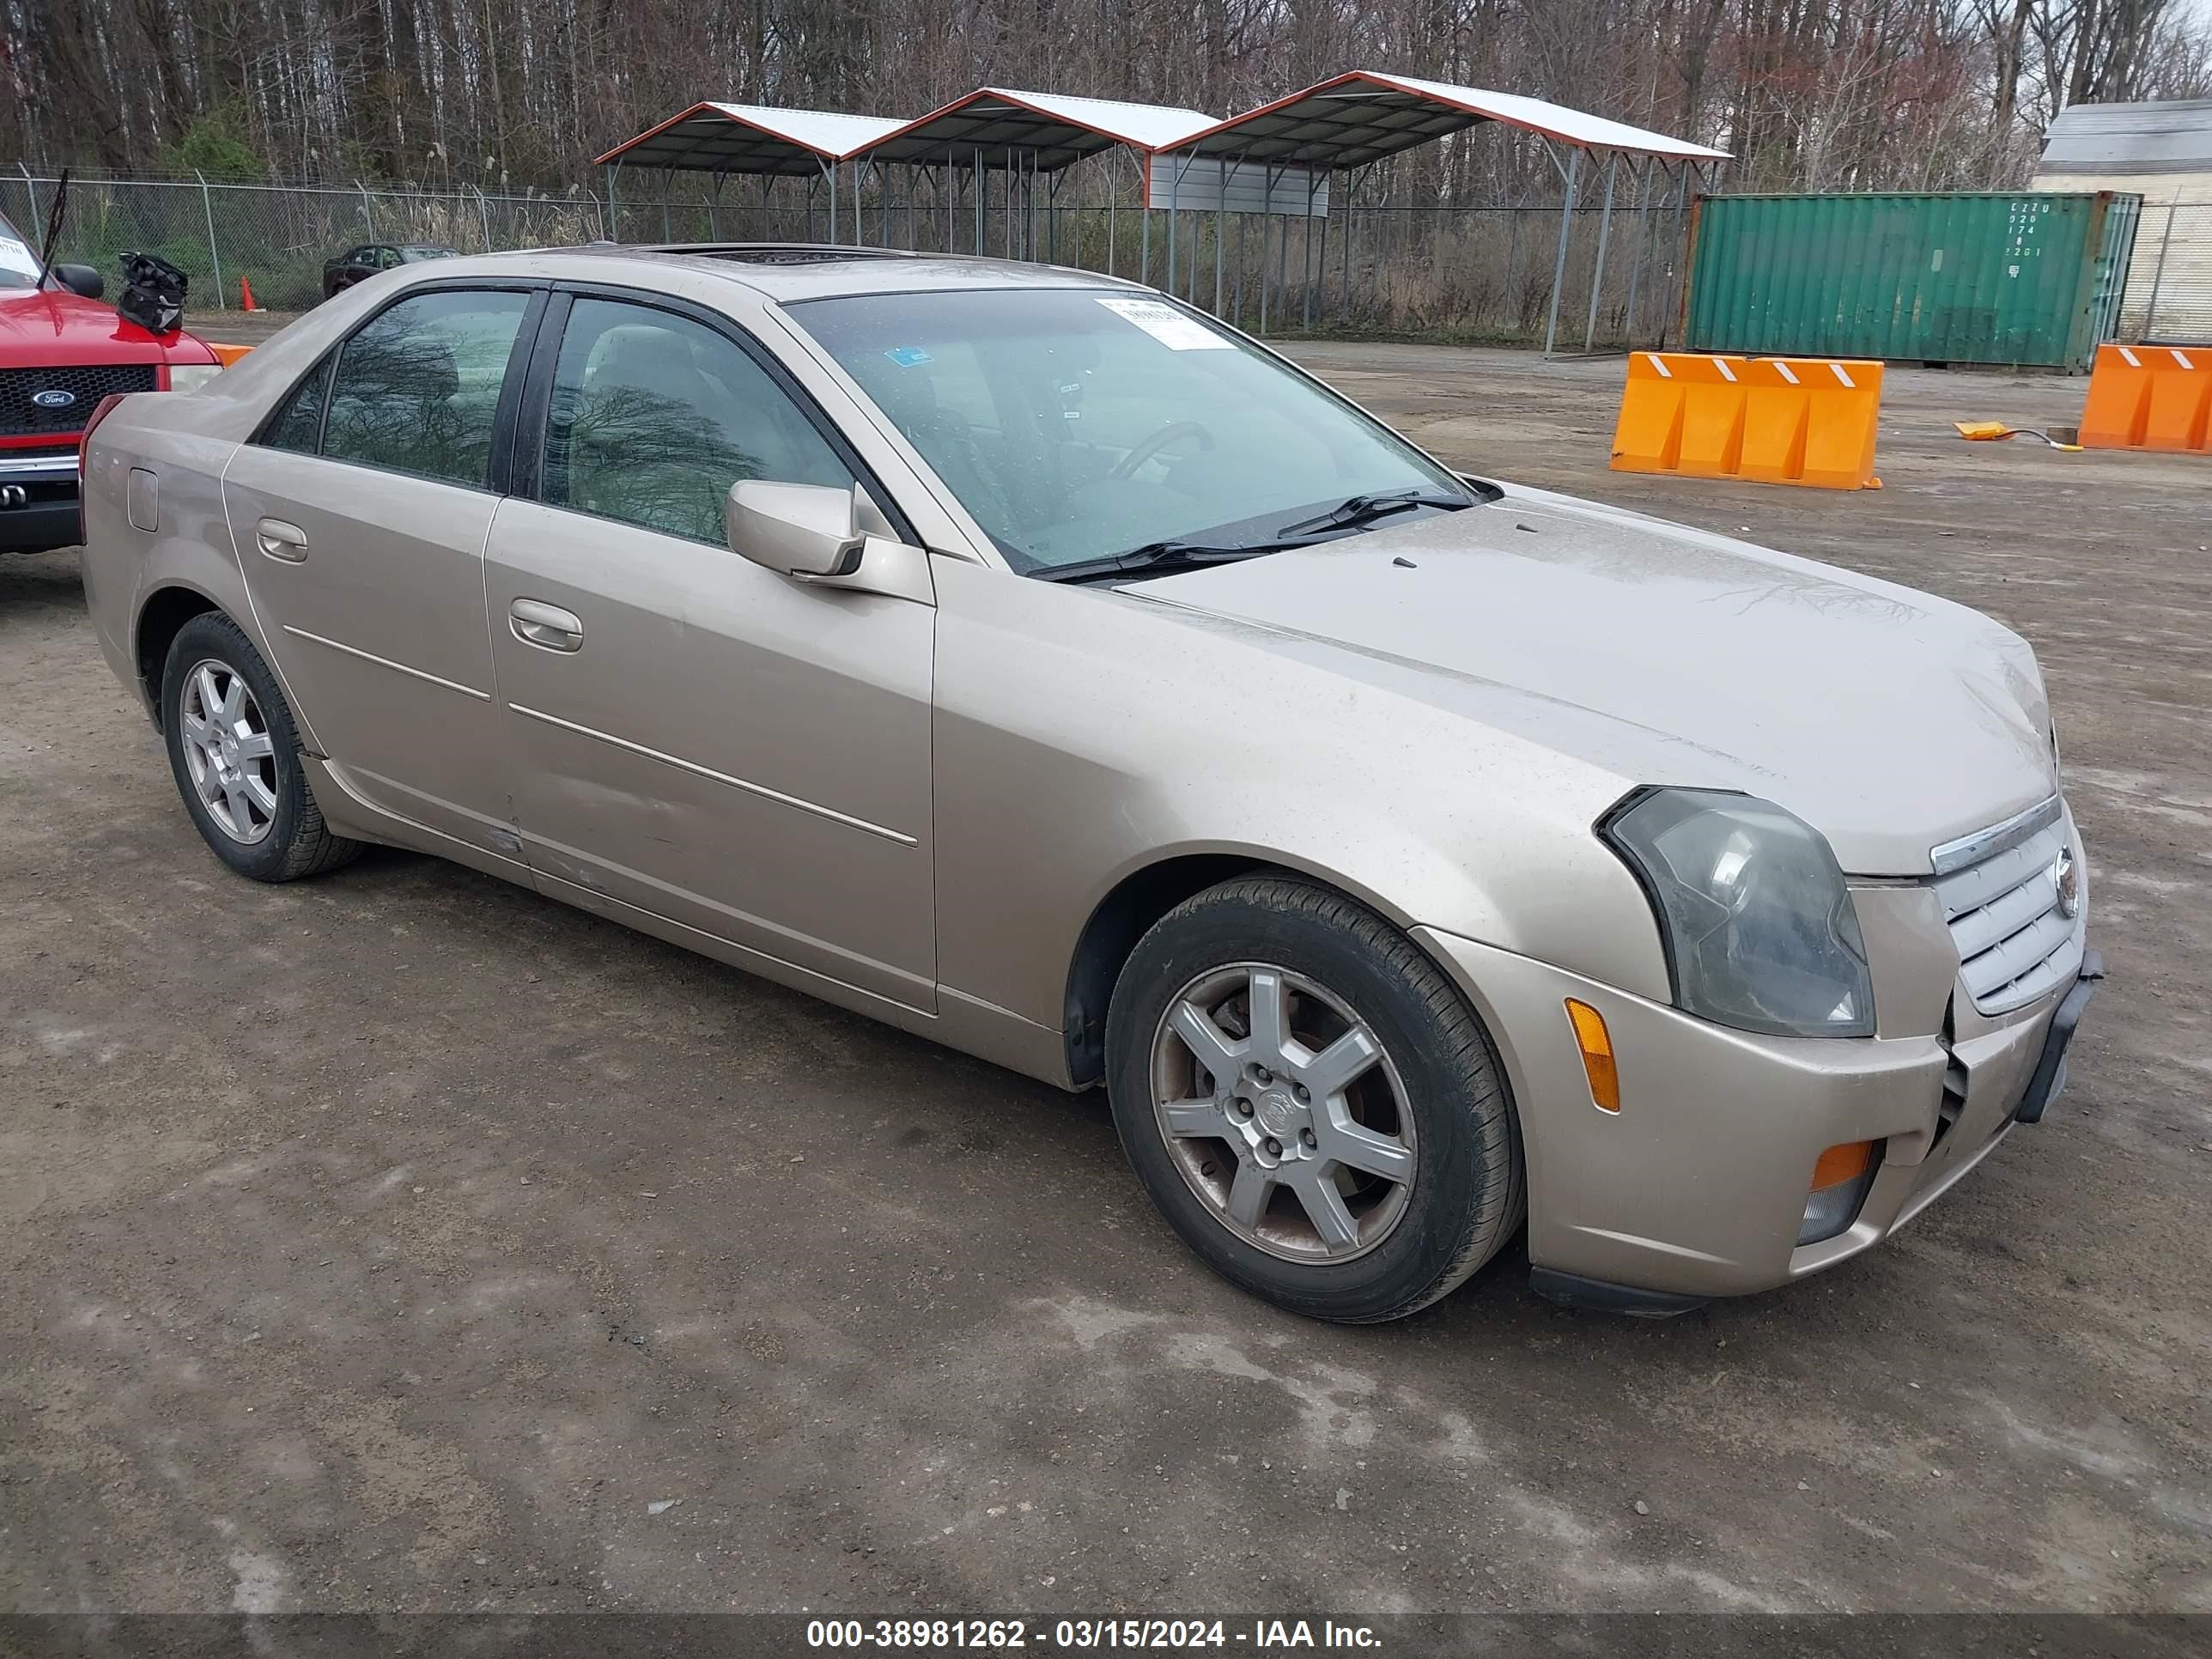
[(651, 434)]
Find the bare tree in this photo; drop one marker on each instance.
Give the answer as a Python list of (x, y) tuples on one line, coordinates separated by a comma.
[(1829, 93)]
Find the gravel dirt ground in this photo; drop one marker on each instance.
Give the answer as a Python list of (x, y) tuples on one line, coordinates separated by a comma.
[(402, 1240)]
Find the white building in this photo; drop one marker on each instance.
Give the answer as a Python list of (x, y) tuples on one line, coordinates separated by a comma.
[(2162, 151)]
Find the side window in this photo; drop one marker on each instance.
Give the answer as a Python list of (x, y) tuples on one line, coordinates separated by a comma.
[(654, 417), (417, 389), (387, 258), (298, 424)]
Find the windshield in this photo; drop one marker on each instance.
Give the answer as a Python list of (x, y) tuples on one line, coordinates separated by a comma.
[(1076, 424), (18, 263)]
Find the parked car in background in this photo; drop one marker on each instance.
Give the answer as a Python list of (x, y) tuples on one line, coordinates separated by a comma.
[(1026, 659), (358, 264), (61, 351)]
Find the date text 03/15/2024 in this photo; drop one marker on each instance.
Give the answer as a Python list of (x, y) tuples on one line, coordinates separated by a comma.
[(1255, 1636)]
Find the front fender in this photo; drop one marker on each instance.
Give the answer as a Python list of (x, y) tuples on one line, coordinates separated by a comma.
[(1080, 736)]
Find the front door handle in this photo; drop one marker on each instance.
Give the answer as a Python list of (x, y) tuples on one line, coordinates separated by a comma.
[(280, 540), (548, 627)]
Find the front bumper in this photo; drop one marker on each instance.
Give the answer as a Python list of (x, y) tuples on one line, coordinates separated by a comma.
[(1697, 1187), (39, 507)]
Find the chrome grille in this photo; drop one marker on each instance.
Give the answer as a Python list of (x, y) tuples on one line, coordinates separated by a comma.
[(2014, 946), (86, 385)]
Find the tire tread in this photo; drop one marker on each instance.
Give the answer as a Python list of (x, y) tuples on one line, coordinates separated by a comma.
[(1489, 1213), (313, 848)]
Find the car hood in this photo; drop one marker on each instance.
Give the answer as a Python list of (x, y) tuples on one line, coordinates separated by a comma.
[(1890, 720), (44, 328)]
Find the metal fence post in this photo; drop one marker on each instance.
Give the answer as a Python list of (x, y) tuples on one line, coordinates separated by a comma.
[(31, 194), (1678, 260), (1305, 262), (2157, 275), (1559, 261), (368, 218), (1604, 236), (1639, 173), (215, 258), (483, 217), (1351, 184), (1220, 241)]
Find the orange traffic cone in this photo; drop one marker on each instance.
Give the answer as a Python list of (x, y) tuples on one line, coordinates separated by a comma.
[(246, 295)]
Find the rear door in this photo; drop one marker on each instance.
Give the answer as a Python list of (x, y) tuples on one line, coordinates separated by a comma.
[(360, 514), (694, 735)]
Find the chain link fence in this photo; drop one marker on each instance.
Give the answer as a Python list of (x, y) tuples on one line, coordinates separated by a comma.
[(2169, 292), (276, 237), (1482, 272)]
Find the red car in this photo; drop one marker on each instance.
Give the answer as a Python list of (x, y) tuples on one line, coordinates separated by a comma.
[(60, 352)]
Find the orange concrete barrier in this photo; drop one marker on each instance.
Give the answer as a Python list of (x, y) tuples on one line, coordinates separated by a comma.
[(1766, 420), (2153, 398)]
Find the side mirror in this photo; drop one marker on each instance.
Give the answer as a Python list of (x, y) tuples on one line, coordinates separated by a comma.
[(806, 531), (826, 538), (81, 279)]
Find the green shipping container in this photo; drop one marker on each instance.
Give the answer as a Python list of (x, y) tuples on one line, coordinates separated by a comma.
[(2028, 280)]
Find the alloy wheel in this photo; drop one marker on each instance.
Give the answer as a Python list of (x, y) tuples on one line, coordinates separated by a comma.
[(229, 753), (1284, 1113)]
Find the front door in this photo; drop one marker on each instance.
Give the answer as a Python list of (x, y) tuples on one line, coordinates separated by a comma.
[(691, 734), (360, 517)]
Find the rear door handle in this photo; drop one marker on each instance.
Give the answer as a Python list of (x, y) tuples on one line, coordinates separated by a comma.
[(280, 540), (545, 626)]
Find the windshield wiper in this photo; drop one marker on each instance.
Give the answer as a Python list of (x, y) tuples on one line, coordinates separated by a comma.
[(1365, 509), (1162, 559)]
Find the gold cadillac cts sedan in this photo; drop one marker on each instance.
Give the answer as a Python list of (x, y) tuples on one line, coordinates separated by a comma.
[(1023, 658)]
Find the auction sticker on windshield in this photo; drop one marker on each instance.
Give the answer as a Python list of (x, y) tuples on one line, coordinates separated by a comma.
[(15, 259), (1168, 325)]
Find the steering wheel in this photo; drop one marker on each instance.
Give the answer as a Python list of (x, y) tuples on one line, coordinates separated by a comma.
[(1152, 445)]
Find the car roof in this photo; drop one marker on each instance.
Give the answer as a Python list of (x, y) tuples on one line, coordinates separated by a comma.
[(780, 272)]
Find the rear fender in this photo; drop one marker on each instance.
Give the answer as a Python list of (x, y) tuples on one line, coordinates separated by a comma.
[(190, 549)]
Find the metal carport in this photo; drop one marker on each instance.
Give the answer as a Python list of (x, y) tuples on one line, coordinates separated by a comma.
[(1362, 117), (1024, 136), (753, 141)]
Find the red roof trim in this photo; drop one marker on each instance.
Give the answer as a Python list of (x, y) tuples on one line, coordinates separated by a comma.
[(709, 107)]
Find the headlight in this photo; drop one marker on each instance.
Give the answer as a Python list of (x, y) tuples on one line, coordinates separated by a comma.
[(189, 377), (1759, 929)]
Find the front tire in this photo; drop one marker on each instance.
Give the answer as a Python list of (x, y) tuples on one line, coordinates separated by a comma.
[(1310, 1103), (235, 754)]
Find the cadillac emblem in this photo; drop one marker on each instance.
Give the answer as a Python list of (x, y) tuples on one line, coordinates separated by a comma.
[(2067, 878)]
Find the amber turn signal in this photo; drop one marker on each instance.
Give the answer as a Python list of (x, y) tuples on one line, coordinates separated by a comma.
[(1596, 1044), (1839, 1164)]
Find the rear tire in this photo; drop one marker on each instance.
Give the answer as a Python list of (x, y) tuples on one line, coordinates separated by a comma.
[(1352, 1157), (235, 752)]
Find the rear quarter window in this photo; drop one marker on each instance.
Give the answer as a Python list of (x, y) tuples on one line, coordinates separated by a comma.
[(297, 424)]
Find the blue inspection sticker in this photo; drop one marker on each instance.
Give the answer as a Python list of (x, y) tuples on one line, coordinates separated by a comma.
[(909, 357)]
